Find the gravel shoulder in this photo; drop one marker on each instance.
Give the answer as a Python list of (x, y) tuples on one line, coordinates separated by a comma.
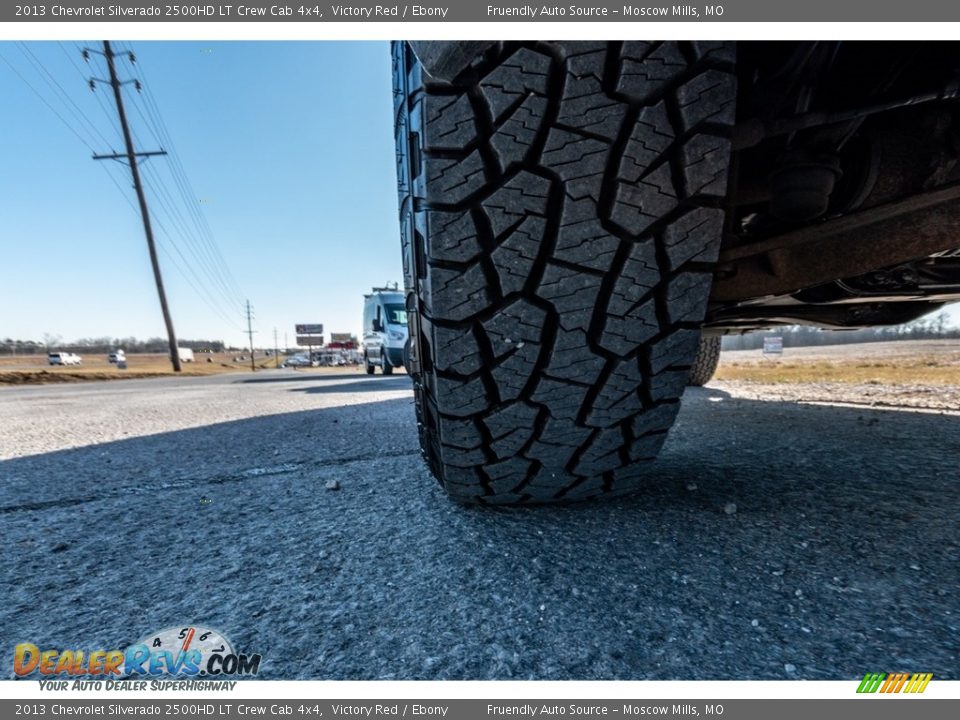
[(923, 374), (912, 396)]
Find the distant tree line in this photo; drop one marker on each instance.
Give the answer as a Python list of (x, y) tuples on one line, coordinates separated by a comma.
[(51, 343), (935, 327)]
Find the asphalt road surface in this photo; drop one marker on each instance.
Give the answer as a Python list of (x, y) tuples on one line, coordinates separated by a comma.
[(775, 540)]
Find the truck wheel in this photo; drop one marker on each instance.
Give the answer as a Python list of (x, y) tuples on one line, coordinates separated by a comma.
[(705, 364), (406, 356), (560, 212), (385, 367), (367, 364)]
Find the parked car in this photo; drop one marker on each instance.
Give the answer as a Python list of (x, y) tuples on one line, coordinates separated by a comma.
[(330, 358), (299, 361), (63, 358), (186, 354), (117, 356)]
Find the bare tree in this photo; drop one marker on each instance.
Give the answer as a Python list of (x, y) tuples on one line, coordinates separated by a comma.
[(50, 340)]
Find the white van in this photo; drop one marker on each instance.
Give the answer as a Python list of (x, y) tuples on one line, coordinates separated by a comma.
[(63, 358), (186, 354), (117, 356), (384, 330)]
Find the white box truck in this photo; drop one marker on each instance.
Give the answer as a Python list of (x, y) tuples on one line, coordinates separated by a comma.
[(384, 330)]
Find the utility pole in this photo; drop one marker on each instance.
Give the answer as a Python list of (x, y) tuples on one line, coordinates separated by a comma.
[(131, 156), (250, 331), (276, 349)]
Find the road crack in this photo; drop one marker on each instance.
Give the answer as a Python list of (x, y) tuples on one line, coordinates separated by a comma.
[(220, 479)]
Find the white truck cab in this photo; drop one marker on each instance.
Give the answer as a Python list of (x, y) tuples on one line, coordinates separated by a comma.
[(384, 329), (63, 358)]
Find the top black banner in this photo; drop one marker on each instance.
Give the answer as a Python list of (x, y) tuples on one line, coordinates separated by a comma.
[(478, 11)]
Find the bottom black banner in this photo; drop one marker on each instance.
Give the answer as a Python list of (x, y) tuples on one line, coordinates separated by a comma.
[(873, 707)]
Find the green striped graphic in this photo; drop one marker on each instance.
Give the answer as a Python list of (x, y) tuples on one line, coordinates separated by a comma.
[(871, 682)]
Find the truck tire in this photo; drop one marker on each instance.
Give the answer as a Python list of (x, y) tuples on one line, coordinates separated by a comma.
[(705, 364), (561, 215), (406, 356), (385, 367), (368, 366)]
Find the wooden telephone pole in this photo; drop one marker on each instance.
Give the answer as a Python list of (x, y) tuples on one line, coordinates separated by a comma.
[(250, 332), (131, 156)]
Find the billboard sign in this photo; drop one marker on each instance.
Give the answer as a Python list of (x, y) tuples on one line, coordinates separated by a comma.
[(773, 345), (307, 329), (310, 340)]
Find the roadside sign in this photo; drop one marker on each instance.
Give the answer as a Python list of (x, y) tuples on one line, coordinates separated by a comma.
[(341, 337), (773, 345), (316, 329), (310, 340)]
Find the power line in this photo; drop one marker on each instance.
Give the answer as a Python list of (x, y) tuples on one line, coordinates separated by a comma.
[(70, 127), (186, 275), (161, 132), (144, 211), (201, 288), (204, 232), (123, 192), (111, 119), (153, 180), (250, 332), (55, 85), (49, 106), (207, 252), (194, 237)]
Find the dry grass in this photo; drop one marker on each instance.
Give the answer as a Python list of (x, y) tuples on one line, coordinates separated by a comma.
[(35, 370), (918, 370)]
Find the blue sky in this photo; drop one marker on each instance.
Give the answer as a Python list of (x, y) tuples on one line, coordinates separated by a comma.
[(288, 147)]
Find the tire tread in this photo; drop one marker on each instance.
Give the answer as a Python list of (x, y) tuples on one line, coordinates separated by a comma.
[(560, 210)]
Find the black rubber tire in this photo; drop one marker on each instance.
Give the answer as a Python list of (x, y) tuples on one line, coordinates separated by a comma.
[(705, 364), (385, 367), (406, 356), (369, 366), (560, 212)]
